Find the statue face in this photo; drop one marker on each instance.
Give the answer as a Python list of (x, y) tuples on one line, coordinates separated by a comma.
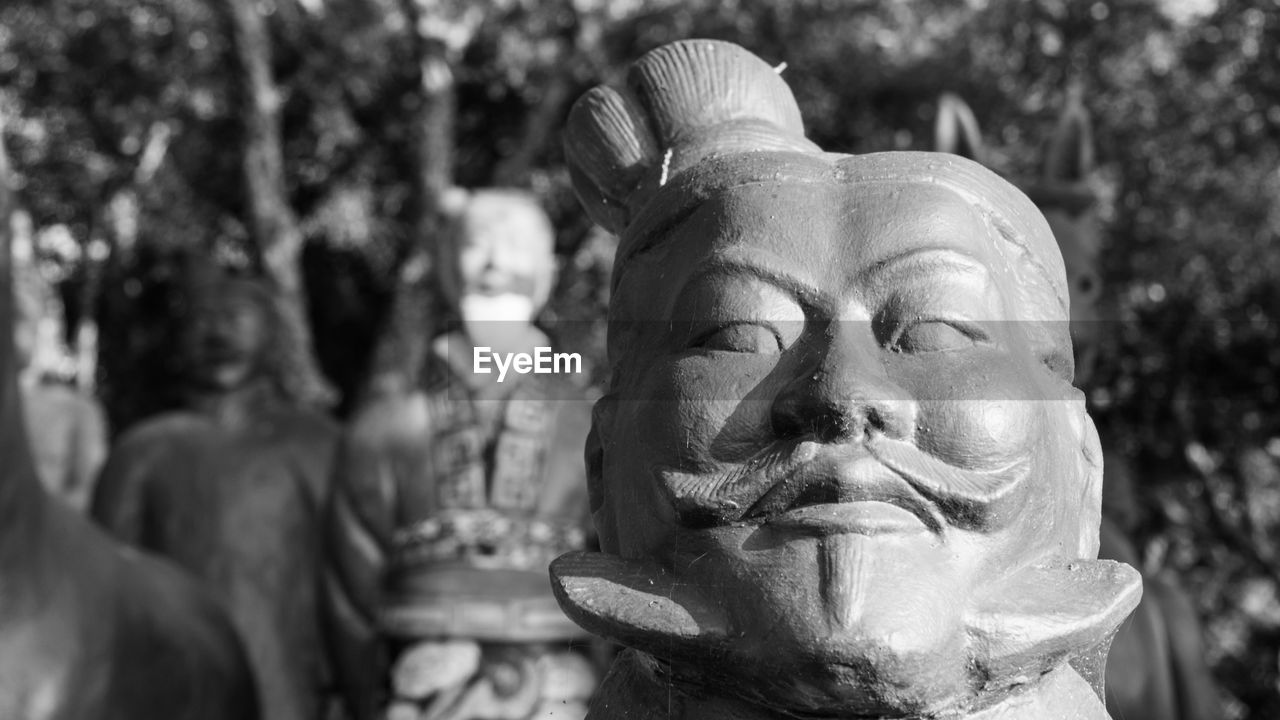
[(228, 338), (829, 419), (503, 261)]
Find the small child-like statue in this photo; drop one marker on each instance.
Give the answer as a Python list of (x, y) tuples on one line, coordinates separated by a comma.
[(840, 470), (231, 487), (451, 501)]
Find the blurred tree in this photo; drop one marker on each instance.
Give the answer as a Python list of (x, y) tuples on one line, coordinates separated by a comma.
[(278, 237)]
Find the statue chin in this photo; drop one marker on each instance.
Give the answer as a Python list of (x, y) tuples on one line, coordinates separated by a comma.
[(878, 628)]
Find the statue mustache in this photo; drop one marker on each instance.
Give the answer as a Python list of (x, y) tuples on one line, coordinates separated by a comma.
[(782, 474)]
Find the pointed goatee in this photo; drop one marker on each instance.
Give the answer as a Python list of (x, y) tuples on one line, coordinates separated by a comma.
[(843, 578)]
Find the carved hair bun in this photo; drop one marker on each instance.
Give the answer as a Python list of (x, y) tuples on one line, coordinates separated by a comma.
[(683, 103)]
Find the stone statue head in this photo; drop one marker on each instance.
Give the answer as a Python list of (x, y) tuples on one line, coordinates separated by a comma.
[(840, 430), (497, 264), (228, 336)]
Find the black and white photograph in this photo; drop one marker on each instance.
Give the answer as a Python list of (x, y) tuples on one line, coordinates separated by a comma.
[(639, 360)]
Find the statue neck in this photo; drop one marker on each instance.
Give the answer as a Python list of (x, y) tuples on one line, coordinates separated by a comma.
[(637, 690), (234, 409)]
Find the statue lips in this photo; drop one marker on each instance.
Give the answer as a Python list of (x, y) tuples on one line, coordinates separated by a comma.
[(496, 282), (846, 490), (871, 487)]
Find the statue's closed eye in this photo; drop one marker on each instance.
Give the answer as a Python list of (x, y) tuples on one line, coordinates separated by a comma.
[(935, 335), (743, 337)]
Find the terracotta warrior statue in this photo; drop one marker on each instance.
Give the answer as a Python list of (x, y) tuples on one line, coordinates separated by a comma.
[(90, 630), (1156, 669), (451, 501), (840, 470), (230, 488)]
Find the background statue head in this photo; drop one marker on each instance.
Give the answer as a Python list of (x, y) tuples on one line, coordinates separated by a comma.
[(840, 418), (497, 264), (228, 336)]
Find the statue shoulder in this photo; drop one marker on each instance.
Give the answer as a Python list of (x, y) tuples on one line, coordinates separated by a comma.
[(160, 430), (313, 425)]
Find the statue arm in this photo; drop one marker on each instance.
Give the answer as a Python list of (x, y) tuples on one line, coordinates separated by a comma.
[(359, 519)]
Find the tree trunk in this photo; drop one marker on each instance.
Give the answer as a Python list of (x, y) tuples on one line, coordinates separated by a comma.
[(540, 126), (413, 318), (581, 58), (273, 222)]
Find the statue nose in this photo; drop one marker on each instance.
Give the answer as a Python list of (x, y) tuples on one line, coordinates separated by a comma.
[(844, 394)]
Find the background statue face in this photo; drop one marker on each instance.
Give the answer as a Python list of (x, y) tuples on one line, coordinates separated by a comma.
[(829, 419), (228, 337), (502, 264)]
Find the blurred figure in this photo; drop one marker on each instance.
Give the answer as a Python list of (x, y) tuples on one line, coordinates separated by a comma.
[(230, 488), (451, 501), (88, 629), (68, 430), (1156, 669)]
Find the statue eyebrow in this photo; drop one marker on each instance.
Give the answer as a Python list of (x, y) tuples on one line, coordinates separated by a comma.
[(733, 261), (930, 257)]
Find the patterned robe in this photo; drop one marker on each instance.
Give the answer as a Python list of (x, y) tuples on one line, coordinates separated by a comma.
[(447, 509)]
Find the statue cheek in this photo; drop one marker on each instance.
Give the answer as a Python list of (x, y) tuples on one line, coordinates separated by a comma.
[(987, 428), (702, 410)]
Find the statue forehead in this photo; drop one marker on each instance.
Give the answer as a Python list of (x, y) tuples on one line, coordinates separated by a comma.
[(510, 221), (851, 220), (900, 185), (821, 231)]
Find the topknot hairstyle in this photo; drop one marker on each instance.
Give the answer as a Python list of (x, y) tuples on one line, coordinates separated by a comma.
[(682, 103)]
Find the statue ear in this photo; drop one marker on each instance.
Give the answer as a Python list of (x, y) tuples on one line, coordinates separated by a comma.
[(602, 417), (956, 129), (1069, 158)]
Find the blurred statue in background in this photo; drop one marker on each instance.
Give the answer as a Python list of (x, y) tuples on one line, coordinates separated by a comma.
[(1157, 668), (840, 470), (451, 501), (90, 630), (230, 488), (67, 429)]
